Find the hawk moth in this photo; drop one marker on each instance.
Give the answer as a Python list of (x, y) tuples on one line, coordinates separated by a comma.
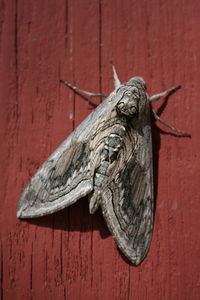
[(108, 157)]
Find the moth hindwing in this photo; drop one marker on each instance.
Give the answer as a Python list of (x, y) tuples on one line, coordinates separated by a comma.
[(109, 158)]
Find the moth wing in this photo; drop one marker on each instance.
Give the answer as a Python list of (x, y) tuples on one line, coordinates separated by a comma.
[(67, 175), (61, 181), (127, 202)]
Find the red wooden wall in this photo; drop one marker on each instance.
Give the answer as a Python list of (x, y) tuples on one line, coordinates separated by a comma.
[(71, 255)]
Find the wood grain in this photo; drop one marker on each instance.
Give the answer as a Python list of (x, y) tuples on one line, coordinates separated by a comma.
[(71, 255)]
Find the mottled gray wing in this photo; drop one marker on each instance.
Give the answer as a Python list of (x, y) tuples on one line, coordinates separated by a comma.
[(127, 202), (67, 175), (62, 180)]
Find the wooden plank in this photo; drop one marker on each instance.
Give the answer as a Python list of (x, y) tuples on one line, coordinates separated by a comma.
[(71, 254)]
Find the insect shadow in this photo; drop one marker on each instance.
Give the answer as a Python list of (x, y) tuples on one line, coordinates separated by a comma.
[(77, 217)]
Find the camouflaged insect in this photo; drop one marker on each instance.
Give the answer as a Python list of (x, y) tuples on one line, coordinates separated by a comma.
[(109, 158)]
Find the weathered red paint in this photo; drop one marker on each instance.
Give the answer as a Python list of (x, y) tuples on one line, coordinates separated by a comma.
[(71, 255)]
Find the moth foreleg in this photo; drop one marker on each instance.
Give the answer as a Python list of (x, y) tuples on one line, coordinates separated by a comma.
[(88, 94), (164, 94), (169, 126)]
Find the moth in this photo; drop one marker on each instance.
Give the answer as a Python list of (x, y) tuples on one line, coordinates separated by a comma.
[(108, 158)]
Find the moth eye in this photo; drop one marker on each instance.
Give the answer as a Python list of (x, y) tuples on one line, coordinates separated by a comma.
[(135, 90), (136, 96), (132, 93), (128, 93), (120, 105)]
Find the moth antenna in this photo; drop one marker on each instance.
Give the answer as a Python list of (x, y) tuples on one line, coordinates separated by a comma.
[(117, 82)]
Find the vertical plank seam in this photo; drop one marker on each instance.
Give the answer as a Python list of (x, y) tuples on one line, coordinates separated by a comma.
[(66, 23), (100, 46), (92, 249), (1, 271), (31, 271), (16, 55)]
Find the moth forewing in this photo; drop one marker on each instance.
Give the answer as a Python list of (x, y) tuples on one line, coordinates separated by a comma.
[(68, 173)]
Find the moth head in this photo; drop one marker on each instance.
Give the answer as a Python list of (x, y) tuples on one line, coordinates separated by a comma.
[(133, 98)]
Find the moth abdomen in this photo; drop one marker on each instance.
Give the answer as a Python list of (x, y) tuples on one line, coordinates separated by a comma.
[(107, 157)]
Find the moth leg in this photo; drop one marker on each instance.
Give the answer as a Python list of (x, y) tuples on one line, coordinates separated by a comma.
[(169, 126), (115, 76), (164, 94), (89, 94)]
